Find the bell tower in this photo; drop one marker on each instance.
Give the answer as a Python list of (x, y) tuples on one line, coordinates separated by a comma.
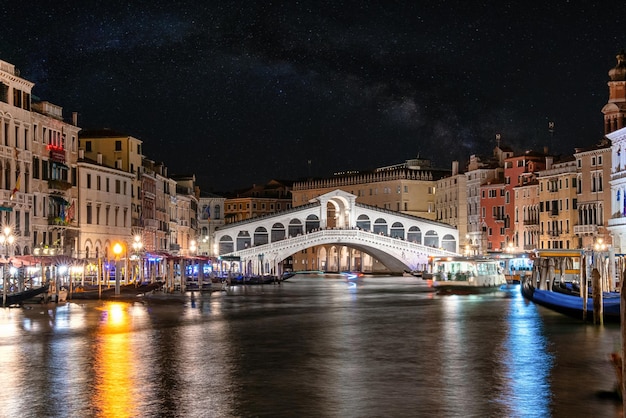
[(615, 110)]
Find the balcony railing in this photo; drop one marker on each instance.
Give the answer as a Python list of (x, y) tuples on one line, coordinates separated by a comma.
[(150, 223), (585, 229), (57, 220), (59, 184)]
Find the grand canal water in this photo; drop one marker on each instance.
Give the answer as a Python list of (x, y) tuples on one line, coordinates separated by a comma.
[(310, 347)]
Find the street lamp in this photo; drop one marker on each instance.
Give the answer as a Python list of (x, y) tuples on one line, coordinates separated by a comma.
[(137, 246), (117, 251), (6, 239)]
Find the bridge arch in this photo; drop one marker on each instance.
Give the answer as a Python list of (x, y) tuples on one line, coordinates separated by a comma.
[(448, 242), (380, 226), (370, 234), (243, 240), (414, 235), (312, 223), (397, 230), (226, 244), (278, 232), (363, 222), (260, 236), (431, 239), (295, 227)]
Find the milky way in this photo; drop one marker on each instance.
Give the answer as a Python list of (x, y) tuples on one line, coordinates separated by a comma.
[(241, 92)]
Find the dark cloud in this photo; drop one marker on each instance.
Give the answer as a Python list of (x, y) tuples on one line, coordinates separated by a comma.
[(241, 92)]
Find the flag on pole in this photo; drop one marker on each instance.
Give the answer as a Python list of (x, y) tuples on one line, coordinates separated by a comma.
[(17, 185), (17, 174), (69, 213)]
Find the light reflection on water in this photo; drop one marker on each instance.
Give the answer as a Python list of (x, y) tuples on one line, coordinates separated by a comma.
[(319, 347)]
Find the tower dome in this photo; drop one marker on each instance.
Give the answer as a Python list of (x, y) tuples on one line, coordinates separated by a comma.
[(619, 72)]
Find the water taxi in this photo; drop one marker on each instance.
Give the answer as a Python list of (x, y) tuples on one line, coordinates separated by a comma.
[(467, 275)]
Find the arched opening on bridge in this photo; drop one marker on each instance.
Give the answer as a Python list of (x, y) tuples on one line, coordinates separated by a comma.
[(448, 243), (363, 222), (243, 240), (397, 230), (338, 212), (331, 215), (295, 227), (414, 235), (278, 232), (312, 223), (431, 239), (226, 245), (380, 226), (260, 236)]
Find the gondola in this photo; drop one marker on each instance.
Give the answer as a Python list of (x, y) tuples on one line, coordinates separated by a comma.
[(572, 305), (19, 297)]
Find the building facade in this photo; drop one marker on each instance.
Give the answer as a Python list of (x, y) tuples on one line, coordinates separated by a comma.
[(594, 194), (104, 209), (451, 201), (210, 217), (259, 200), (558, 194)]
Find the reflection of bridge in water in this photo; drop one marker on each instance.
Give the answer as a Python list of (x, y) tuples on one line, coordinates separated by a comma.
[(351, 236)]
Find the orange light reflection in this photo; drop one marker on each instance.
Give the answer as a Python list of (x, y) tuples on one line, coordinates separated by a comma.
[(113, 364)]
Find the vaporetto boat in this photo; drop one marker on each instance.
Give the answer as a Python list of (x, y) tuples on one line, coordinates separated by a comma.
[(467, 275)]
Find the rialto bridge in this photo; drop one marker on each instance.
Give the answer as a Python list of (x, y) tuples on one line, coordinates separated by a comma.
[(348, 236)]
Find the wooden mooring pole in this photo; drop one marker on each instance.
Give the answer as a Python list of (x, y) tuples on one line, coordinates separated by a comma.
[(596, 286)]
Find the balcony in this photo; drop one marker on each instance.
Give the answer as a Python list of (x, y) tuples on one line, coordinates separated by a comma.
[(528, 222), (56, 184), (585, 229), (57, 220), (151, 224)]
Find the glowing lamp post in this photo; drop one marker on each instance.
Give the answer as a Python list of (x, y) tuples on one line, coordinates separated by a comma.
[(6, 239), (117, 251), (137, 246)]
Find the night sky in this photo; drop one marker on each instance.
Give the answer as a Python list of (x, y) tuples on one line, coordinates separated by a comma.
[(243, 92)]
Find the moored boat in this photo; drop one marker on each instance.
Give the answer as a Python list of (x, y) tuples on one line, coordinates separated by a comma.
[(570, 304), (467, 275), (19, 297)]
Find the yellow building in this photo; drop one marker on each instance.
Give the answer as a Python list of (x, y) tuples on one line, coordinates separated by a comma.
[(594, 197), (451, 201), (526, 220), (557, 205), (120, 151), (408, 187)]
